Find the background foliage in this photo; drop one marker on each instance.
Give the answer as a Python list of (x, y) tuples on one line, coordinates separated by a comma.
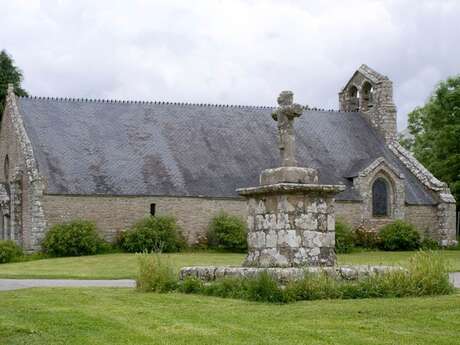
[(435, 130), (399, 235), (9, 251), (159, 233), (9, 74), (74, 238), (227, 232)]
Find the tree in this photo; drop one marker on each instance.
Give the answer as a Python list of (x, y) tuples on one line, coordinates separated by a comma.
[(435, 128), (9, 74)]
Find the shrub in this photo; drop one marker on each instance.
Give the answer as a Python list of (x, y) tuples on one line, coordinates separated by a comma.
[(159, 233), (227, 232), (343, 237), (155, 273), (399, 235), (264, 288), (9, 251), (75, 238), (366, 238), (429, 244), (227, 288), (191, 285)]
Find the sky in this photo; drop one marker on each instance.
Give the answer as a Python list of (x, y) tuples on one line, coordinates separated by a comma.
[(230, 51)]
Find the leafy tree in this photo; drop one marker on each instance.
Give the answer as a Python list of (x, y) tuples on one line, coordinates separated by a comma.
[(436, 133), (9, 74)]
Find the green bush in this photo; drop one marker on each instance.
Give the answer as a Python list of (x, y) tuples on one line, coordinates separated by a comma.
[(75, 238), (264, 288), (227, 232), (429, 244), (399, 235), (343, 237), (155, 273), (158, 234), (366, 238), (9, 251), (191, 285), (226, 288)]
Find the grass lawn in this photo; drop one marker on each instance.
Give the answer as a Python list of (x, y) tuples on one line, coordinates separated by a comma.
[(118, 266), (124, 316)]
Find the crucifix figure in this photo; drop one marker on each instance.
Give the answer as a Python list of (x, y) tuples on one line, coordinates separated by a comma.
[(285, 115)]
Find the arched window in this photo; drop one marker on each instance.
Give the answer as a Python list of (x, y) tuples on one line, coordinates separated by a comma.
[(353, 95), (380, 198), (6, 168), (366, 96)]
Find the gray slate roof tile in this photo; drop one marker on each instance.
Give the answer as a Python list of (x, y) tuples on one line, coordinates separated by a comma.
[(147, 148)]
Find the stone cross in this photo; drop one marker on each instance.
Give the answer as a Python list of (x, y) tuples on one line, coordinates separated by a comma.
[(285, 115)]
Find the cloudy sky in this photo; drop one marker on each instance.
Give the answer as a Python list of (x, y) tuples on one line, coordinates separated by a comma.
[(230, 51)]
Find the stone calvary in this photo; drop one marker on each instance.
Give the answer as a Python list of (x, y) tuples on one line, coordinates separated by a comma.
[(290, 215), (291, 221)]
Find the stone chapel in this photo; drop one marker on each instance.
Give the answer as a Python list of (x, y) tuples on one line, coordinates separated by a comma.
[(114, 162)]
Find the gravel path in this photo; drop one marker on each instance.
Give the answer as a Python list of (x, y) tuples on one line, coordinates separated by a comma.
[(14, 284)]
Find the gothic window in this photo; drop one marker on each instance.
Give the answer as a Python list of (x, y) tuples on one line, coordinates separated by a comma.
[(353, 95), (6, 168), (380, 198), (367, 96)]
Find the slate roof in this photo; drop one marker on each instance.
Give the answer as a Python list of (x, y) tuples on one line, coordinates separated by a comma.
[(174, 149)]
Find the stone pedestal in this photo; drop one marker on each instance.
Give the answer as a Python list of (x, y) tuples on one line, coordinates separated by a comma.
[(290, 224)]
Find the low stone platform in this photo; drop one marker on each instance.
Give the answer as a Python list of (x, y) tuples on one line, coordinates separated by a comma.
[(285, 274)]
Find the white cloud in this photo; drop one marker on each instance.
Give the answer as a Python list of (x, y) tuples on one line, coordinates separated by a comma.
[(230, 51)]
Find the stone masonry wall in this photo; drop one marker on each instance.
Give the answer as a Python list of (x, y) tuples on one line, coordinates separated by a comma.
[(115, 213), (291, 230), (424, 218), (25, 181), (349, 212), (9, 146)]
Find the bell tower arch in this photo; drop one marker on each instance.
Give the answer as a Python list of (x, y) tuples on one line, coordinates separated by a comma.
[(371, 94)]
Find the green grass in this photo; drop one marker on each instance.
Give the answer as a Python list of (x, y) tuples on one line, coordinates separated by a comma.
[(119, 266), (124, 316)]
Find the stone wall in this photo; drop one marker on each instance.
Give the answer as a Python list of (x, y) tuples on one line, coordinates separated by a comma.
[(349, 212), (115, 213), (17, 210), (25, 183), (424, 218)]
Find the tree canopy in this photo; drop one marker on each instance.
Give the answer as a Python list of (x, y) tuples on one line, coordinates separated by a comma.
[(435, 130), (9, 74)]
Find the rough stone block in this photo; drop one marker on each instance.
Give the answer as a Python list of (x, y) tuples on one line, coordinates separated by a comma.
[(282, 221), (271, 239), (289, 175), (330, 222)]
